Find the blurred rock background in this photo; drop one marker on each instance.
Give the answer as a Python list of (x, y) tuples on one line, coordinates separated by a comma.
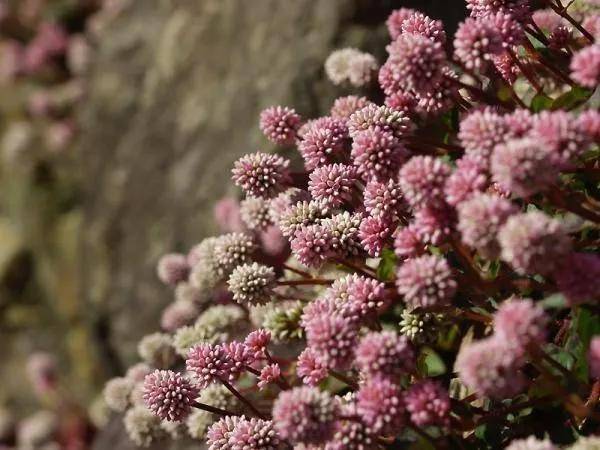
[(165, 95)]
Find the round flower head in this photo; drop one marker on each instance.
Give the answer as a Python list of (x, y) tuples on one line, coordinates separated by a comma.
[(279, 124), (399, 100), (332, 184), (520, 9), (300, 215), (547, 19), (428, 404), (419, 23), (344, 107), (157, 350), (254, 434), (366, 295), (232, 250), (481, 131), (343, 230), (521, 323), (426, 281), (510, 30), (380, 405), (209, 363), (585, 66), (333, 339), (533, 243), (280, 204), (506, 67), (269, 374), (380, 118), (377, 154), (490, 367), (173, 268), (226, 213), (261, 174), (168, 395), (420, 328), (578, 278), (188, 293), (594, 358), (469, 178), (519, 123), (374, 233), (386, 354), (138, 372), (142, 426), (257, 342), (407, 243), (309, 369), (589, 124), (531, 443), (396, 19), (476, 42), (116, 393), (523, 167), (350, 65), (323, 142), (419, 61), (560, 133), (304, 415), (254, 212), (422, 181), (202, 252), (352, 434), (480, 219), (178, 314), (383, 199), (560, 37), (240, 357), (219, 433), (433, 225), (252, 284), (311, 245)]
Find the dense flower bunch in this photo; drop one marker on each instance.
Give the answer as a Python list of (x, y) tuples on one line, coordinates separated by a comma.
[(430, 275)]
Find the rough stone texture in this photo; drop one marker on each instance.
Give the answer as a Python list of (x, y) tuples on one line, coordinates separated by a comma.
[(174, 98)]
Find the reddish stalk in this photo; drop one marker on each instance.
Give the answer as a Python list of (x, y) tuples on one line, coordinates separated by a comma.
[(213, 409), (480, 94), (243, 399), (562, 11), (525, 72), (565, 200), (297, 271), (312, 281)]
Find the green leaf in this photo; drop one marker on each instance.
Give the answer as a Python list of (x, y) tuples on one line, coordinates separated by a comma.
[(541, 102), (430, 364), (554, 301), (572, 98), (387, 265), (585, 325)]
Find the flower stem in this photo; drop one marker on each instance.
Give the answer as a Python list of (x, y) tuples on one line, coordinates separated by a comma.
[(243, 399), (312, 281), (562, 11), (213, 409), (297, 271)]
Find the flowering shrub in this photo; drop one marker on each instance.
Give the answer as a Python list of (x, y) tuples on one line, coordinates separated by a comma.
[(430, 275)]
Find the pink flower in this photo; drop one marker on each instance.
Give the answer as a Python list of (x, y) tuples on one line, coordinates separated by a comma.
[(560, 37), (589, 124), (343, 230), (481, 131), (534, 243), (480, 219), (374, 234), (520, 9), (476, 42), (521, 323), (268, 375), (578, 277), (560, 133), (257, 342), (377, 154), (366, 295), (585, 66), (426, 281), (209, 363), (227, 215), (428, 404), (402, 101), (304, 415), (594, 358), (523, 167), (311, 245), (381, 119), (396, 19), (385, 354), (407, 243), (344, 107), (252, 434), (333, 339), (511, 31), (383, 199), (352, 434), (279, 124), (239, 356), (309, 369), (169, 395), (422, 180), (419, 23), (301, 214), (333, 184), (173, 268), (417, 60), (261, 174), (380, 405), (434, 225), (323, 142), (252, 284), (178, 314), (492, 368), (219, 433), (469, 178)]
